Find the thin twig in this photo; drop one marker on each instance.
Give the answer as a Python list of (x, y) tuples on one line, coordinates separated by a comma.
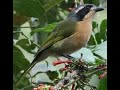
[(72, 82), (68, 78), (93, 35), (89, 74), (26, 27), (71, 77), (21, 33)]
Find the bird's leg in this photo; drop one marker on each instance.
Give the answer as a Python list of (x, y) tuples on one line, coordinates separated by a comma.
[(67, 56), (81, 57)]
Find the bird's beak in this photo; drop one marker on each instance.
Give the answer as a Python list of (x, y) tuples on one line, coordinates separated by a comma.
[(97, 9)]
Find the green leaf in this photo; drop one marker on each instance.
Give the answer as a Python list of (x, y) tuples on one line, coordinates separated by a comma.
[(94, 25), (31, 8), (96, 2), (52, 74), (94, 81), (19, 63), (99, 61), (42, 78), (103, 28), (98, 37), (103, 25), (51, 3), (24, 43), (16, 70), (19, 59), (101, 50), (47, 28), (93, 40), (25, 82), (34, 8), (102, 34), (87, 55), (103, 84), (50, 16)]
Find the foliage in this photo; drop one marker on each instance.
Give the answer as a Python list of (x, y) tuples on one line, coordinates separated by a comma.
[(33, 20)]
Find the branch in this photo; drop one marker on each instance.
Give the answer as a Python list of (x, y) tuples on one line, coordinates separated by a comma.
[(94, 72), (26, 27), (66, 80), (78, 75)]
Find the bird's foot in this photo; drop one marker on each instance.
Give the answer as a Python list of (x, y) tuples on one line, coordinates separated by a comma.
[(81, 58)]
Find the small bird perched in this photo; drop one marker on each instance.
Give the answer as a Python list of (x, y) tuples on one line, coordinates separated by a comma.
[(68, 36)]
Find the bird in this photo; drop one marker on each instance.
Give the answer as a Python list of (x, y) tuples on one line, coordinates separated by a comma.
[(68, 36)]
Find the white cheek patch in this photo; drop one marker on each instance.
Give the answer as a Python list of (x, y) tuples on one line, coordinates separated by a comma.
[(76, 11), (93, 8)]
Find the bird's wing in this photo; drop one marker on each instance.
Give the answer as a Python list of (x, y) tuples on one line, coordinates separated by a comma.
[(61, 31)]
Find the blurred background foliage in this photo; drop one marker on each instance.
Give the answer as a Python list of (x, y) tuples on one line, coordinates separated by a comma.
[(33, 20)]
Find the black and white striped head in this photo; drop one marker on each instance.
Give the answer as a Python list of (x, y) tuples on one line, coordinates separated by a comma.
[(85, 11)]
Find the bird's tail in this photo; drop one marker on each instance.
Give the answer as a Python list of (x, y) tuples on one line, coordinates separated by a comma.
[(39, 57), (25, 72), (36, 59)]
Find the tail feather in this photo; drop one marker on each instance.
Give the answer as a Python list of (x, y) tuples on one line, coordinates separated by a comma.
[(40, 56), (25, 72)]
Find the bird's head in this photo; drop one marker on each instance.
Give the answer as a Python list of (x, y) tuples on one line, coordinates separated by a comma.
[(85, 11)]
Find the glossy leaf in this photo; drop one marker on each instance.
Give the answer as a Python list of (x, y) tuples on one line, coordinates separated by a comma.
[(99, 61), (94, 25), (19, 63), (24, 43), (25, 82), (19, 59), (96, 2), (101, 50), (87, 55), (103, 28), (42, 78), (52, 74), (31, 8), (103, 84), (51, 3), (102, 34), (16, 70), (47, 28)]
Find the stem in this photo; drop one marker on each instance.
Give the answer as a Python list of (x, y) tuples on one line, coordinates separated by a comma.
[(72, 82), (75, 74), (21, 33), (89, 74), (26, 27), (93, 35)]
